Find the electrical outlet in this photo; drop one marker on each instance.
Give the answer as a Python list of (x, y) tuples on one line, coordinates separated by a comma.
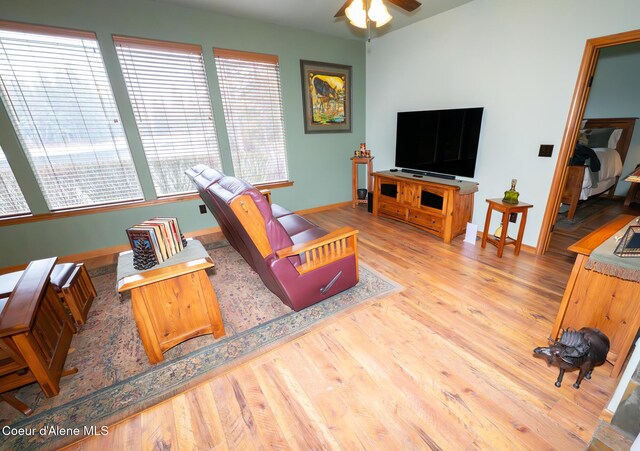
[(203, 209), (545, 150), (513, 217)]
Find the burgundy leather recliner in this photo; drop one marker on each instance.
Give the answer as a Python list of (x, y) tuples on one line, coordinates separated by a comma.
[(298, 261)]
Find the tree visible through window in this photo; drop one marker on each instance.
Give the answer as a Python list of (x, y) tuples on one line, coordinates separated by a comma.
[(252, 102), (11, 199), (56, 90), (168, 89)]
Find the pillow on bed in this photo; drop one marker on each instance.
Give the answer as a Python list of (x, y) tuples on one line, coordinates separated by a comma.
[(602, 137), (613, 139), (599, 137)]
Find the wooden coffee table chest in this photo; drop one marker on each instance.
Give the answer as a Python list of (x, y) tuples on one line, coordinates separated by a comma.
[(172, 302)]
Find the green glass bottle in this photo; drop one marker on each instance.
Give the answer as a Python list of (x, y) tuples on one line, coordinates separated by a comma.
[(511, 196)]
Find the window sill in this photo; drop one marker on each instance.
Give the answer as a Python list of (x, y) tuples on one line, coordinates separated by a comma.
[(92, 210), (24, 219), (274, 185)]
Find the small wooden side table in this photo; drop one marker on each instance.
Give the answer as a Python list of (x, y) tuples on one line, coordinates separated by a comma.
[(173, 301), (355, 161), (507, 210)]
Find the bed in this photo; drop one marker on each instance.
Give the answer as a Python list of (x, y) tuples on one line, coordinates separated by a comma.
[(609, 138)]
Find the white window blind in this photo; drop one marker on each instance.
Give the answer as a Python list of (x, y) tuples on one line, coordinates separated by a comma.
[(56, 90), (167, 85), (11, 199), (252, 103)]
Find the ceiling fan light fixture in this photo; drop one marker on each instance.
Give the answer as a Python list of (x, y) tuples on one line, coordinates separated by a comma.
[(357, 14), (378, 13), (362, 12), (360, 22)]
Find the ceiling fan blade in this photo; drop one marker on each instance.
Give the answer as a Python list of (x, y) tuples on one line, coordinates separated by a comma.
[(340, 12), (408, 5)]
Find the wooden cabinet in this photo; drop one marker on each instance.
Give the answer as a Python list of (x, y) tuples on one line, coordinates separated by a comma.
[(172, 302), (438, 206), (593, 299)]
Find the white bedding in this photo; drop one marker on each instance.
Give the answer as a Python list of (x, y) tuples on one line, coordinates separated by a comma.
[(610, 168)]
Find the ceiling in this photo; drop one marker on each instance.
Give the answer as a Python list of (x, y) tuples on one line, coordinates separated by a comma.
[(317, 15)]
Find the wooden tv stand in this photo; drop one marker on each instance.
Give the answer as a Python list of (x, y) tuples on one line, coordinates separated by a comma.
[(439, 206)]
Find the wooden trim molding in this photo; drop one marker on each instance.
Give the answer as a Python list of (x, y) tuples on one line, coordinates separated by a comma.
[(47, 30), (245, 56), (606, 415), (273, 185), (572, 128), (309, 211), (524, 247), (106, 251), (115, 250), (92, 210), (153, 44), (23, 219)]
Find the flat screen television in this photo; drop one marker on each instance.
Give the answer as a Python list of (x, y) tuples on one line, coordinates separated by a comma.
[(439, 141)]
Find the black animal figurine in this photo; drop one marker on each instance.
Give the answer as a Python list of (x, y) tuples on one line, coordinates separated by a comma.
[(585, 349)]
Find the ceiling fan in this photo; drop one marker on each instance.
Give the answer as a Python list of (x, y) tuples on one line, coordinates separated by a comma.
[(361, 12)]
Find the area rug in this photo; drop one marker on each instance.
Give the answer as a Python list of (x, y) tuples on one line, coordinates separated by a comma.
[(587, 210), (115, 378)]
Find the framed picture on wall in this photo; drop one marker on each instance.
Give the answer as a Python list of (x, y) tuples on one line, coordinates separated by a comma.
[(326, 97)]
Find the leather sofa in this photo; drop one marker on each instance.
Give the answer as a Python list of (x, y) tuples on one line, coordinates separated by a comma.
[(298, 261)]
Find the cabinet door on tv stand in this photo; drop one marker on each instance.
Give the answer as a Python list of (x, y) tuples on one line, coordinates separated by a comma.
[(432, 198), (390, 190), (410, 194)]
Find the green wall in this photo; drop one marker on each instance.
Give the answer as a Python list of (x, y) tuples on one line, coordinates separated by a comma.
[(319, 164)]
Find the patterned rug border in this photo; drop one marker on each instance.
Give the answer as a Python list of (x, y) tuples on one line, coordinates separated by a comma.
[(132, 395)]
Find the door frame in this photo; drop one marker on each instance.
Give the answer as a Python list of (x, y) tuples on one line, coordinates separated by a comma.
[(576, 113)]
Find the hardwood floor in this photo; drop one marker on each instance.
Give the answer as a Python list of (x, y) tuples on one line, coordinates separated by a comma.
[(600, 211), (446, 363)]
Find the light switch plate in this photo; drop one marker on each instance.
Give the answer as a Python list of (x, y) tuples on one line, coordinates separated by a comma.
[(545, 150)]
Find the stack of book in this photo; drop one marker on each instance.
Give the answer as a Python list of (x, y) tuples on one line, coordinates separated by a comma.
[(160, 237)]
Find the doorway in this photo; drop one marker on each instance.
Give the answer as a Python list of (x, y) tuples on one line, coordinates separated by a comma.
[(570, 135)]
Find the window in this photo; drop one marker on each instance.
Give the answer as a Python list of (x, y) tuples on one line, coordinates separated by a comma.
[(167, 85), (56, 90), (252, 102), (11, 199)]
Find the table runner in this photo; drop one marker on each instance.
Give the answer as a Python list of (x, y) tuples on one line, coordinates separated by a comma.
[(604, 261), (192, 251)]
